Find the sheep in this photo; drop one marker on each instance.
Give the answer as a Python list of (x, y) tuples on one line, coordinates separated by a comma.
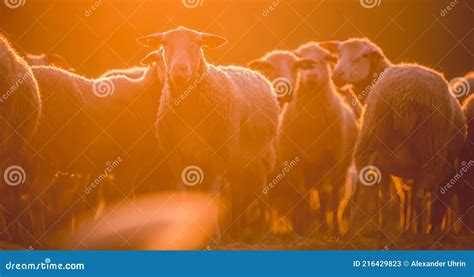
[(216, 122), (48, 60), (132, 73), (361, 61), (110, 120), (274, 66), (465, 188), (463, 87), (320, 129), (19, 113), (412, 127)]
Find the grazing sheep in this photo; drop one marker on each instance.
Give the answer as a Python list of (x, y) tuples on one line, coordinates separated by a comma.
[(413, 128), (132, 73), (220, 121), (465, 191), (320, 130), (111, 122), (48, 60), (20, 108), (463, 87)]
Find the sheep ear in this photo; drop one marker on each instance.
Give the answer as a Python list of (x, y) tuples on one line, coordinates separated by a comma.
[(332, 46), (152, 57), (153, 40), (258, 65), (212, 41), (305, 64)]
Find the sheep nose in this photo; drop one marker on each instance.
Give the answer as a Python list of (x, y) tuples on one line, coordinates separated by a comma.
[(181, 69), (181, 72)]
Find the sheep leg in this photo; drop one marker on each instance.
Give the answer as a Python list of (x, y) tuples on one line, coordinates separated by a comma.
[(300, 212), (438, 211), (244, 185), (466, 199)]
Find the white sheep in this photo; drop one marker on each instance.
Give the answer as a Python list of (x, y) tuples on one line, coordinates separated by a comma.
[(224, 123), (274, 66), (367, 57), (413, 128), (318, 128), (88, 125), (19, 116), (132, 73)]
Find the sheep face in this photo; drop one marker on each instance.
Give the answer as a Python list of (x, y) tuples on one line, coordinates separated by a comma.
[(356, 60), (320, 73), (183, 55), (282, 67)]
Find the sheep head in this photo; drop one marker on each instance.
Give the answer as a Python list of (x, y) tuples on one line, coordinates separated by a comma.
[(359, 59), (183, 55), (282, 69), (320, 73)]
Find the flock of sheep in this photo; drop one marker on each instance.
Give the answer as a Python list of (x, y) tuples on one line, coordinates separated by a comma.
[(333, 117)]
